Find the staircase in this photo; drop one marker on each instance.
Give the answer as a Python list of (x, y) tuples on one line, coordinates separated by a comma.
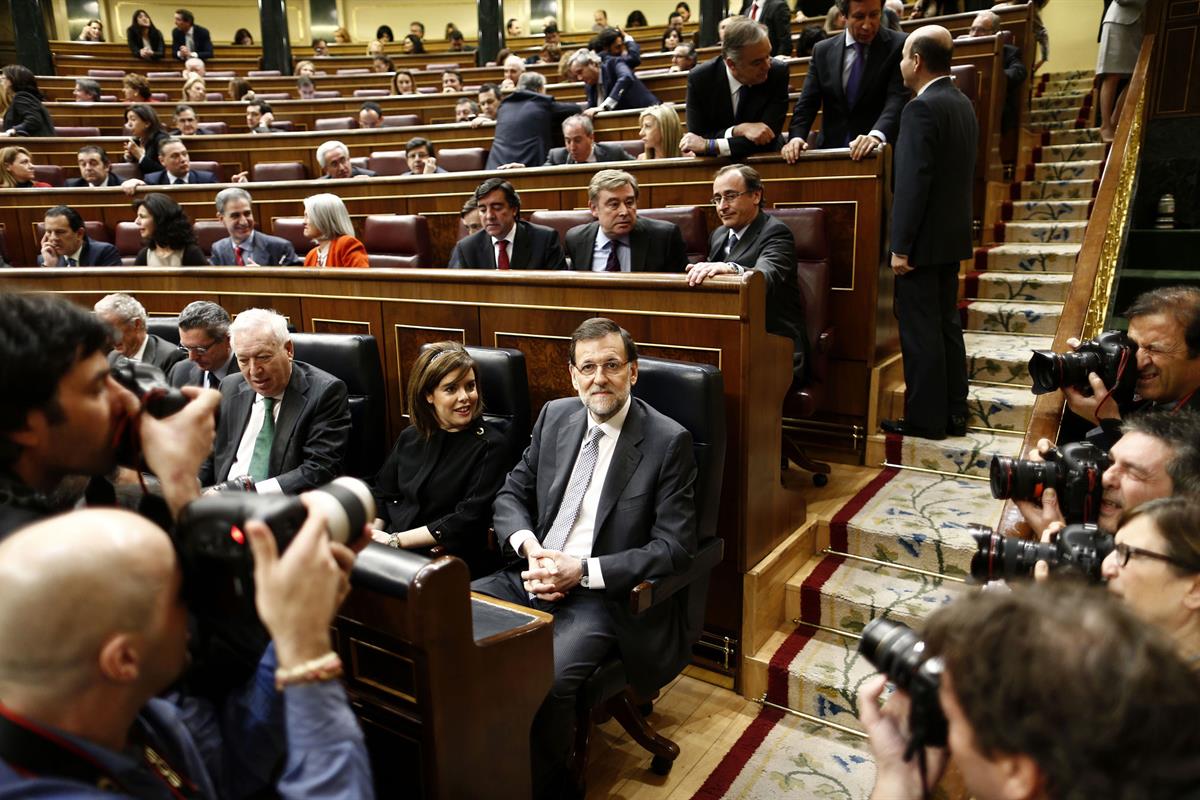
[(900, 548)]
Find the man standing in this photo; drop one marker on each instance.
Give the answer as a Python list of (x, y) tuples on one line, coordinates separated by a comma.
[(854, 80), (613, 86), (189, 39), (506, 241), (94, 168), (204, 334), (737, 103), (127, 319), (579, 136), (246, 246), (619, 240), (525, 124), (931, 233), (66, 243), (284, 424), (987, 23), (776, 15), (601, 500)]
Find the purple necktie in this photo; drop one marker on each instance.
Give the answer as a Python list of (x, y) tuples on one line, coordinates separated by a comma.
[(614, 260), (854, 82)]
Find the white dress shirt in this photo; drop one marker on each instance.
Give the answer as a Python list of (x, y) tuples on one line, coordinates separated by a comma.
[(245, 451), (511, 238), (601, 248), (141, 350), (931, 83), (849, 54), (734, 86)]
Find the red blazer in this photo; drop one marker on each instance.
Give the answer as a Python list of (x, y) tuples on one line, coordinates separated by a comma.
[(344, 251)]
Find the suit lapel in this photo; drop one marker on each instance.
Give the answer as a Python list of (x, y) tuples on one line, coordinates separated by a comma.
[(837, 57), (294, 399), (582, 261), (625, 459), (876, 55), (522, 249), (639, 244), (567, 448), (747, 238)]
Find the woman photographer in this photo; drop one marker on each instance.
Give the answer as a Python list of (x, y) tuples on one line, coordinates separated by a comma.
[(438, 484)]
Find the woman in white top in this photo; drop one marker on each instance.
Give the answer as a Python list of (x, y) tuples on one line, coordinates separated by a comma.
[(167, 237)]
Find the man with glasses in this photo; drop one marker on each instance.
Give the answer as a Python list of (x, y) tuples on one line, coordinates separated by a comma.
[(601, 500), (750, 239), (204, 336)]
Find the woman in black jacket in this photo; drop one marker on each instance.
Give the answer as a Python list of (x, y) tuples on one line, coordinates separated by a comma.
[(167, 236), (24, 115), (438, 484), (145, 40), (148, 133)]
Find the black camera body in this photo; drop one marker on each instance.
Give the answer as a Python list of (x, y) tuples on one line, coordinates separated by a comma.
[(1073, 470), (1112, 356), (1077, 549), (897, 651), (148, 383)]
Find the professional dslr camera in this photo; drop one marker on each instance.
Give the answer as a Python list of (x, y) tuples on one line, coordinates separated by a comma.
[(1073, 471), (1078, 549), (158, 398), (895, 650), (1111, 355)]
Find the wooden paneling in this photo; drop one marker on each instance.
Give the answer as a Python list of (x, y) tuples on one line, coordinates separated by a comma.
[(1175, 81)]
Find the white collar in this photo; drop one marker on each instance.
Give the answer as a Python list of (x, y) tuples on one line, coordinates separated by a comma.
[(931, 83), (602, 235), (78, 252), (141, 350), (510, 237), (734, 83)]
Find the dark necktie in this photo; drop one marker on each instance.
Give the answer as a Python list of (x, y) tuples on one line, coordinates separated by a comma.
[(260, 460), (731, 244), (742, 92), (210, 380), (237, 256), (854, 82), (502, 261), (72, 262), (614, 260)]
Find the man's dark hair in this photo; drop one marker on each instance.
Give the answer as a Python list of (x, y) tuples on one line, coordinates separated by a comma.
[(844, 6), (934, 54), (74, 219), (453, 72), (263, 106), (98, 150), (1180, 303), (179, 109), (371, 105), (598, 328), (41, 339), (489, 87), (320, 39), (471, 204), (90, 86), (549, 29), (419, 24), (1126, 702), (604, 39), (808, 39), (749, 175), (205, 316), (1180, 431), (456, 36), (419, 141), (187, 15), (492, 184)]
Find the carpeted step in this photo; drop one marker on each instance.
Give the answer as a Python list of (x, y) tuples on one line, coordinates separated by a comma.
[(1079, 151), (1002, 358), (1046, 127), (1054, 258), (1073, 136), (1053, 115), (1064, 87), (1006, 408), (1068, 75), (1040, 210), (1040, 232), (959, 455), (1055, 190), (818, 673), (1064, 170), (1047, 287), (1073, 101), (1012, 317)]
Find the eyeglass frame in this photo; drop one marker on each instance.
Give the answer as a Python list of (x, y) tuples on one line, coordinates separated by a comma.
[(729, 197), (1126, 551), (608, 368), (200, 349)]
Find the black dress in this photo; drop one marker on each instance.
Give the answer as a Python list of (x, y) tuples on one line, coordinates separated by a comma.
[(149, 162), (133, 37), (446, 483), (27, 116)]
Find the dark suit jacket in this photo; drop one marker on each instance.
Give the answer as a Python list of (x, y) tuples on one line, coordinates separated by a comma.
[(710, 106), (80, 183), (186, 373), (311, 432), (776, 15), (934, 167), (354, 173), (162, 177), (265, 250), (134, 39), (526, 123), (27, 116), (645, 523), (620, 84), (604, 152), (654, 246), (882, 95), (769, 247), (158, 352), (535, 247), (1014, 71), (93, 254), (204, 46)]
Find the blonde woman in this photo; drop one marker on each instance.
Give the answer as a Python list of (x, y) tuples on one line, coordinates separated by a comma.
[(195, 90), (661, 131), (306, 68), (327, 223)]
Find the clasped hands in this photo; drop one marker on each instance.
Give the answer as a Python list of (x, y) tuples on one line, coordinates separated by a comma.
[(551, 574)]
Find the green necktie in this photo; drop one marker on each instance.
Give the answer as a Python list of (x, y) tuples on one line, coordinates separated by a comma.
[(260, 462)]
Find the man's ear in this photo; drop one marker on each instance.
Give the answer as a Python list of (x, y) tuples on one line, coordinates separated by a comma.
[(34, 431), (120, 659), (1021, 778), (1191, 599)]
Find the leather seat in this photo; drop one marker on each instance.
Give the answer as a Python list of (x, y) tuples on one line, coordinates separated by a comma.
[(966, 79), (279, 171), (388, 162), (159, 97), (272, 96), (561, 221), (210, 166), (354, 358), (292, 229), (397, 240), (370, 92), (217, 73), (50, 173), (111, 73), (128, 240), (214, 97), (400, 120), (96, 231), (64, 130), (213, 128), (462, 159), (165, 328), (335, 124), (263, 73), (692, 225), (634, 147), (326, 94), (207, 232)]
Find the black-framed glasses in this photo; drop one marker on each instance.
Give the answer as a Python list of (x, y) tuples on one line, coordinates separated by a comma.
[(198, 350), (1125, 551), (588, 369), (727, 197)]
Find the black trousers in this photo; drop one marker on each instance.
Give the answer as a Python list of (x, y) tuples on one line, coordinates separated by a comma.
[(931, 341)]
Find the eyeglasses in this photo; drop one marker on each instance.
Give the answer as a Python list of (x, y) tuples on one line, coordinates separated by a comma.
[(608, 368), (198, 350), (728, 197), (1125, 551)]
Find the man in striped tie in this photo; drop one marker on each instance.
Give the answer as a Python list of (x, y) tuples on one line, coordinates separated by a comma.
[(601, 500), (204, 336)]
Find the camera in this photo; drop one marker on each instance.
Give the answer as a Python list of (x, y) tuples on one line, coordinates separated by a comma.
[(148, 383), (897, 651), (1078, 549), (1111, 355), (1074, 471)]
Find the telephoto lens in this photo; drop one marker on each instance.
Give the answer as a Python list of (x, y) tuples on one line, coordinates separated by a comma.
[(898, 652), (1074, 471), (1112, 356), (1077, 549)]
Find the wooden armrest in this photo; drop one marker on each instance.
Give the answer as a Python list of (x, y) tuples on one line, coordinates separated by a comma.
[(648, 594)]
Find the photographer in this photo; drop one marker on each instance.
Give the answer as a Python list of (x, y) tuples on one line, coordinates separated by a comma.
[(63, 417), (1053, 691), (1157, 455), (82, 714)]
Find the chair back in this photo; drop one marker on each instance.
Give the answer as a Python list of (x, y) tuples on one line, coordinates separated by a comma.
[(263, 73), (635, 147), (335, 124), (208, 231), (64, 130), (326, 94), (110, 73), (691, 223), (166, 328), (96, 231), (400, 120), (292, 229), (397, 240), (370, 92), (388, 162), (124, 170), (213, 128), (279, 171), (462, 159), (51, 174), (210, 166), (812, 273), (966, 79), (128, 239), (561, 221)]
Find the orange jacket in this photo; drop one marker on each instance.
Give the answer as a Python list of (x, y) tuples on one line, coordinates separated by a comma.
[(344, 251)]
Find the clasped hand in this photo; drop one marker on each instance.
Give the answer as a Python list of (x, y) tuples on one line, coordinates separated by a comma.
[(551, 574)]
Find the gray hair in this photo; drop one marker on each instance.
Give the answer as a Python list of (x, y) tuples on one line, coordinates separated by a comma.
[(253, 319), (993, 19), (205, 316), (122, 306), (326, 149), (516, 61), (608, 180), (582, 57), (90, 86), (582, 121), (327, 213), (532, 82), (170, 140), (739, 34), (232, 193)]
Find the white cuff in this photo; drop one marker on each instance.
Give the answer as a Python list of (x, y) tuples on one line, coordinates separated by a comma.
[(269, 486), (595, 576), (878, 135), (723, 146), (519, 538)]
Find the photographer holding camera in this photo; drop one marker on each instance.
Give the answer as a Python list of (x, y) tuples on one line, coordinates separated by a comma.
[(82, 711), (1051, 692)]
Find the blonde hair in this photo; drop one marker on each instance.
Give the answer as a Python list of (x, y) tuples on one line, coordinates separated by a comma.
[(7, 156), (192, 80), (327, 213), (670, 131)]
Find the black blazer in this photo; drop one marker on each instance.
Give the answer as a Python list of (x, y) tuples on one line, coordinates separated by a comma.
[(776, 15), (204, 46), (161, 178), (149, 163), (526, 124), (769, 247), (1015, 73), (934, 169), (311, 432), (882, 96), (710, 106), (93, 254), (80, 183), (134, 38), (535, 247), (620, 84), (193, 256), (27, 116), (645, 523), (604, 152), (187, 373), (654, 246)]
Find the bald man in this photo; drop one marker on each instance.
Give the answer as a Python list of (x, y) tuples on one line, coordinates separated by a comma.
[(931, 233), (84, 714)]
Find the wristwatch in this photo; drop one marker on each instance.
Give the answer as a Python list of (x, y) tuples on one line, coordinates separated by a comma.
[(584, 581), (738, 269)]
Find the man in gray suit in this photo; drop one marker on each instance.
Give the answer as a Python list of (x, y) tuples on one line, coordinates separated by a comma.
[(619, 240), (601, 500), (246, 246), (284, 425), (204, 335), (579, 135), (127, 319)]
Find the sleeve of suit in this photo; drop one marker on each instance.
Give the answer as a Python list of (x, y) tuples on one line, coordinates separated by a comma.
[(808, 103), (474, 510), (1014, 66), (26, 116), (699, 107), (781, 27), (625, 77), (888, 122), (111, 257), (289, 257), (204, 46), (676, 258), (777, 258), (774, 116), (555, 257), (914, 172), (325, 446), (457, 260), (515, 508)]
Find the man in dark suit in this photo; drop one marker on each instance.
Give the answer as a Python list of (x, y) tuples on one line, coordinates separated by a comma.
[(66, 243), (334, 158), (422, 157), (854, 80), (987, 23), (579, 136), (506, 241), (607, 73), (204, 336), (931, 234), (749, 239), (247, 246), (601, 500), (737, 103), (284, 425), (525, 124), (127, 319), (189, 39), (177, 166), (619, 240), (776, 15), (94, 168)]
